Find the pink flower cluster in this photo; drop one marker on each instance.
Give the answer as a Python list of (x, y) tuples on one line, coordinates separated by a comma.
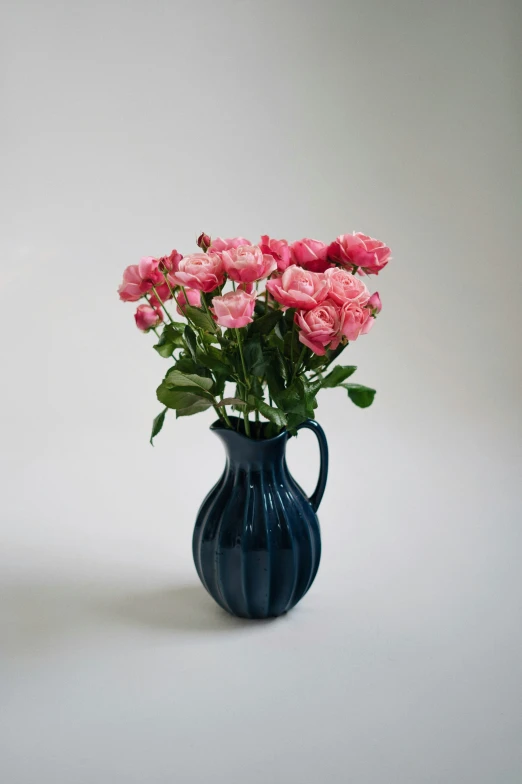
[(355, 252), (330, 305), (316, 279)]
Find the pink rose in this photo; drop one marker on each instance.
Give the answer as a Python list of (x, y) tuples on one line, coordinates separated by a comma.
[(298, 288), (320, 327), (359, 250), (204, 242), (310, 254), (147, 317), (344, 287), (355, 320), (279, 249), (234, 309), (201, 271), (247, 263), (193, 297), (375, 304), (220, 244), (148, 268), (130, 288), (139, 278)]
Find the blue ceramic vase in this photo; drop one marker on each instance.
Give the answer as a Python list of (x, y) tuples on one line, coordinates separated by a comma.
[(256, 541)]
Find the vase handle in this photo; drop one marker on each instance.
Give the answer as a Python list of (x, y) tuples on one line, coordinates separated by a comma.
[(316, 497)]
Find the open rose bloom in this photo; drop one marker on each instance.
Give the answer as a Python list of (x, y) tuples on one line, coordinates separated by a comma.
[(253, 329)]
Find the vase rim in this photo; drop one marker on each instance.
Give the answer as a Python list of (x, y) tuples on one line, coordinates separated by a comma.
[(222, 427)]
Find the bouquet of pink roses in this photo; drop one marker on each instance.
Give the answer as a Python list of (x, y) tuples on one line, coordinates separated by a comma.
[(269, 318)]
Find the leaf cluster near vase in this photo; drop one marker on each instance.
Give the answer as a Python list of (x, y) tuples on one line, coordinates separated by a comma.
[(253, 331)]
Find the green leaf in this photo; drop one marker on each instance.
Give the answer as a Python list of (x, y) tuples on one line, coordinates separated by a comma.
[(214, 359), (181, 397), (274, 415), (361, 396), (169, 340), (200, 318), (294, 420), (186, 364), (157, 424), (292, 346), (298, 398), (256, 387), (339, 374), (164, 348), (174, 326), (264, 324), (255, 360), (197, 406), (275, 375), (191, 341), (291, 400), (231, 401), (281, 329), (289, 317), (203, 385), (311, 388), (209, 338)]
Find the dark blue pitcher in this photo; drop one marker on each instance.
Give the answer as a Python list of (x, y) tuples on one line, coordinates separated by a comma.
[(257, 543)]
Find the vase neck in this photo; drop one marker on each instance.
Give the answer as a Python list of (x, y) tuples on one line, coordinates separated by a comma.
[(247, 451)]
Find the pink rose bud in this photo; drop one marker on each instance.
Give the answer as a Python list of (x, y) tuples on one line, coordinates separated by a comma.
[(220, 244), (147, 317), (170, 263), (310, 254), (355, 320), (320, 327), (361, 252), (138, 279), (299, 288), (201, 271), (345, 287), (204, 242), (375, 304), (247, 263), (193, 297), (279, 249), (234, 309)]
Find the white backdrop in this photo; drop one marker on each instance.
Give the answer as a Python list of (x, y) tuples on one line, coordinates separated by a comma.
[(128, 128)]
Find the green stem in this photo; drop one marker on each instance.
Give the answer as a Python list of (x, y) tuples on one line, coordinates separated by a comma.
[(299, 362), (172, 293), (292, 347), (218, 412), (205, 307), (246, 383), (162, 303)]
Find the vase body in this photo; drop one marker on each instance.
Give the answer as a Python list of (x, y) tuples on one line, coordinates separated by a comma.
[(257, 543)]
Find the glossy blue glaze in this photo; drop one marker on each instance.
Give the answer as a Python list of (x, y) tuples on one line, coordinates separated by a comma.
[(256, 541)]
